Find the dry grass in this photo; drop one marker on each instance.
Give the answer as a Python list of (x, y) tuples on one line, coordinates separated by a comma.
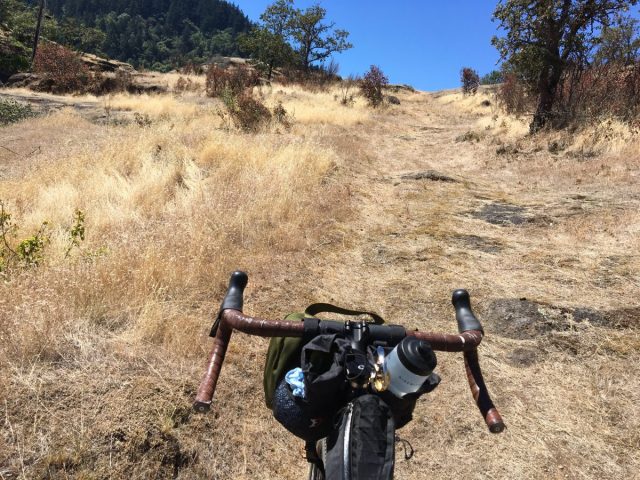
[(100, 352), (170, 209), (322, 107)]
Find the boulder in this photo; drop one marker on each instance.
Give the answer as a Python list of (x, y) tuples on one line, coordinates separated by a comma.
[(26, 79), (103, 65), (392, 100)]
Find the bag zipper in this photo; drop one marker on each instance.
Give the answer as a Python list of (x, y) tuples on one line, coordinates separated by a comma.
[(346, 459)]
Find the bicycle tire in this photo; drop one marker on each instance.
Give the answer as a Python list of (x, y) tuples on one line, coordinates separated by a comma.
[(316, 472)]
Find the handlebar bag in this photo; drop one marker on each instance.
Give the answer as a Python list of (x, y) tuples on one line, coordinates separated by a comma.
[(325, 386), (362, 446), (284, 353)]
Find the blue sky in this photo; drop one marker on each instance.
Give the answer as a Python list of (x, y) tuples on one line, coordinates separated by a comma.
[(424, 43)]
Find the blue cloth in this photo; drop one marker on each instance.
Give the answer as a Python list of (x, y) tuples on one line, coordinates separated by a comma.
[(295, 379)]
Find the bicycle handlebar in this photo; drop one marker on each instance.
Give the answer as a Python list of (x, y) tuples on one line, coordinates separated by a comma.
[(231, 317)]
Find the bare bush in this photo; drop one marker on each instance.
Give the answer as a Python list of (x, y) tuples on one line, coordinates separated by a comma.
[(612, 90), (61, 68), (347, 87), (470, 81), (236, 79), (372, 84), (281, 116), (247, 113), (186, 85), (513, 96), (583, 95)]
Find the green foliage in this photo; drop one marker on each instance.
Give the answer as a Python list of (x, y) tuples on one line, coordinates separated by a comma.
[(267, 48), (159, 34), (492, 78), (372, 85), (290, 37), (77, 231), (30, 249), (619, 43), (12, 111), (14, 56), (29, 252), (316, 40)]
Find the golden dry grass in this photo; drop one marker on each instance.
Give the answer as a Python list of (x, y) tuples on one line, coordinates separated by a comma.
[(101, 352)]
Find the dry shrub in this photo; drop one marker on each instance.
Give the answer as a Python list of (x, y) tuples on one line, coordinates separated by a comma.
[(192, 69), (585, 95), (62, 69), (372, 84), (513, 96), (186, 85), (248, 113), (234, 79), (470, 81), (315, 80), (98, 84), (347, 87), (606, 91), (281, 116)]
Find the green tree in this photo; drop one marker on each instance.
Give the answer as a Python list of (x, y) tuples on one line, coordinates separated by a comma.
[(316, 40), (268, 49), (492, 78), (619, 43), (268, 42), (542, 37)]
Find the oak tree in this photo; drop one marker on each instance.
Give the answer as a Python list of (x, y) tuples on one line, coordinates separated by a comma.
[(542, 37)]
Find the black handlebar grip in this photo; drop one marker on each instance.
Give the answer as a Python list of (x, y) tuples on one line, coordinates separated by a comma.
[(464, 315), (233, 299)]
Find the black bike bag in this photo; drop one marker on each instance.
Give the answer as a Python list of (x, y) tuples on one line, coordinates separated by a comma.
[(362, 446)]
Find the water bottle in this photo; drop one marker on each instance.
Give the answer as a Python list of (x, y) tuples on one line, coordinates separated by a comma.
[(409, 365)]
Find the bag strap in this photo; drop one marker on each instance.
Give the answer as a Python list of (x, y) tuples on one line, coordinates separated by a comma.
[(316, 308)]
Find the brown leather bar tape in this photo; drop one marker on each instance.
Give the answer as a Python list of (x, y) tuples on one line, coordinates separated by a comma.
[(467, 341), (234, 319), (481, 394), (260, 327), (209, 381)]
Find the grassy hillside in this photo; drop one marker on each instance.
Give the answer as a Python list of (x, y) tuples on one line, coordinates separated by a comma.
[(103, 341)]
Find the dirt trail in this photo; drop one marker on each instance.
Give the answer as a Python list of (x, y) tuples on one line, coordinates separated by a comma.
[(434, 213)]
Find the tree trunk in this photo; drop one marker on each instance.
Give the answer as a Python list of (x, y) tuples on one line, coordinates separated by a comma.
[(270, 71), (547, 87), (36, 38)]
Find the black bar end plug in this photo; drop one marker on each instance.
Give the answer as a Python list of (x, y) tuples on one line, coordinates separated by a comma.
[(464, 315), (233, 299)]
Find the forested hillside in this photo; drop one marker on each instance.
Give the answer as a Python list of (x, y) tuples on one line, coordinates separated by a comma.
[(159, 34)]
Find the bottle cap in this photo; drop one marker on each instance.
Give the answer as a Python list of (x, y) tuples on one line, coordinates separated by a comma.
[(417, 356)]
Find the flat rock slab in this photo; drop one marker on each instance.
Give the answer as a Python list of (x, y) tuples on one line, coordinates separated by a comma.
[(429, 175), (483, 244), (524, 319), (502, 214)]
